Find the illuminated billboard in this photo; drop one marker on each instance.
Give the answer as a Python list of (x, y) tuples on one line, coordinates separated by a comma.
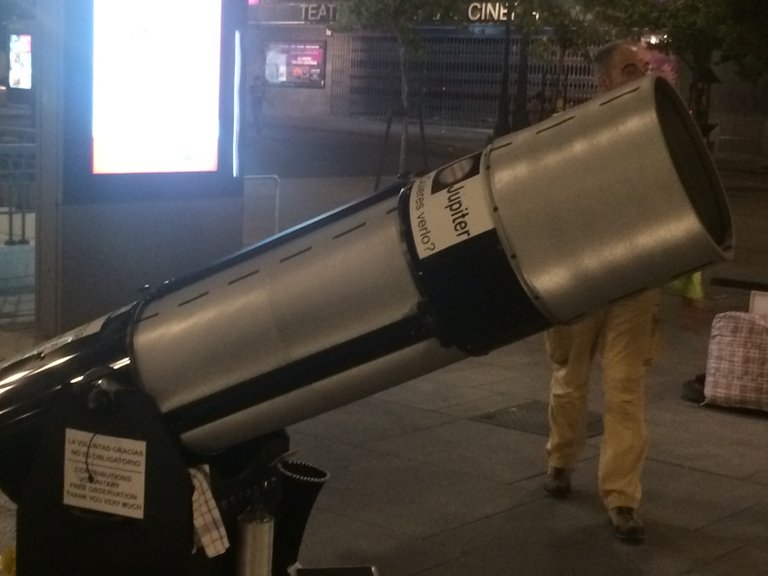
[(156, 76), (152, 99), (20, 61)]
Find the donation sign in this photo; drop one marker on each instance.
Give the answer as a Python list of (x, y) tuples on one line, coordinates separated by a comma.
[(104, 473)]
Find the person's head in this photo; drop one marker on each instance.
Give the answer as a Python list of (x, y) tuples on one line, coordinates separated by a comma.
[(618, 63)]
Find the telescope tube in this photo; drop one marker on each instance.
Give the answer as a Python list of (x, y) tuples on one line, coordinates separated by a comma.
[(542, 226)]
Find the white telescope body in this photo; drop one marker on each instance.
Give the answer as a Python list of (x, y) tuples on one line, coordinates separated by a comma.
[(541, 227)]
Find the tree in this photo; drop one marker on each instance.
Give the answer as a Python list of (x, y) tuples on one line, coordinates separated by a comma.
[(743, 32), (502, 125), (400, 18), (695, 31), (572, 28), (689, 28), (526, 20), (560, 24)]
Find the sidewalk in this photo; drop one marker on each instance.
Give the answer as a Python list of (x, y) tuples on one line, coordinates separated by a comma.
[(738, 171), (474, 137), (424, 482)]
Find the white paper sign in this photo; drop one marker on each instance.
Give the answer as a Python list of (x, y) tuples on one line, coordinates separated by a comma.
[(758, 302), (445, 213), (104, 473)]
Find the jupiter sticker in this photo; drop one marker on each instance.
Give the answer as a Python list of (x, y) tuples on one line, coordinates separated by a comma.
[(449, 206)]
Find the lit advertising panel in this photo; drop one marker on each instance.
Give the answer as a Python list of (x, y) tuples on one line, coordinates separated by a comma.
[(20, 65), (297, 65), (156, 86)]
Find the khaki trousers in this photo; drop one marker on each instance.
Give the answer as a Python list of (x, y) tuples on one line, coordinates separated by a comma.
[(624, 334)]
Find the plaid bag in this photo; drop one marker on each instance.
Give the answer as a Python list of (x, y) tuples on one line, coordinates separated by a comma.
[(737, 361)]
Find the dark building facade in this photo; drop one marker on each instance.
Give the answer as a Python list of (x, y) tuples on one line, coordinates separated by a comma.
[(455, 77)]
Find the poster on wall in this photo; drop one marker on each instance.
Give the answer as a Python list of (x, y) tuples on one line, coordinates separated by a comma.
[(295, 65)]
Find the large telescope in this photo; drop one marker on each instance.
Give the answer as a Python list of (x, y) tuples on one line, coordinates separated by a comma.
[(544, 225), (541, 227)]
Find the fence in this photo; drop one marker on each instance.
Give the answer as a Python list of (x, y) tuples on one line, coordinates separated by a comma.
[(18, 198), (454, 79), (18, 177)]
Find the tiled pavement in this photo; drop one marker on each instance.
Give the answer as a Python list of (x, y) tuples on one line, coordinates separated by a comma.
[(418, 487)]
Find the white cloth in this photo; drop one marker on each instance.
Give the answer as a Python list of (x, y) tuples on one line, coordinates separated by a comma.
[(209, 527)]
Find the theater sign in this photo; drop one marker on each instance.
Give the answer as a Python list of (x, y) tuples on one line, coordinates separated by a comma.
[(488, 12), (278, 12), (294, 12)]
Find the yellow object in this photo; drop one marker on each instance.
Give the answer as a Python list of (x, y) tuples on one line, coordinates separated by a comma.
[(689, 286), (8, 562)]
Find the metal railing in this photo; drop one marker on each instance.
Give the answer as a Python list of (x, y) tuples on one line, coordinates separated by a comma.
[(18, 180)]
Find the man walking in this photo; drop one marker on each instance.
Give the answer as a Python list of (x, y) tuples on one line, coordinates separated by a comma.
[(623, 333)]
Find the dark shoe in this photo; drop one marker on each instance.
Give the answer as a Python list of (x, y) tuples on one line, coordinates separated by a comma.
[(626, 524), (558, 482), (693, 390)]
